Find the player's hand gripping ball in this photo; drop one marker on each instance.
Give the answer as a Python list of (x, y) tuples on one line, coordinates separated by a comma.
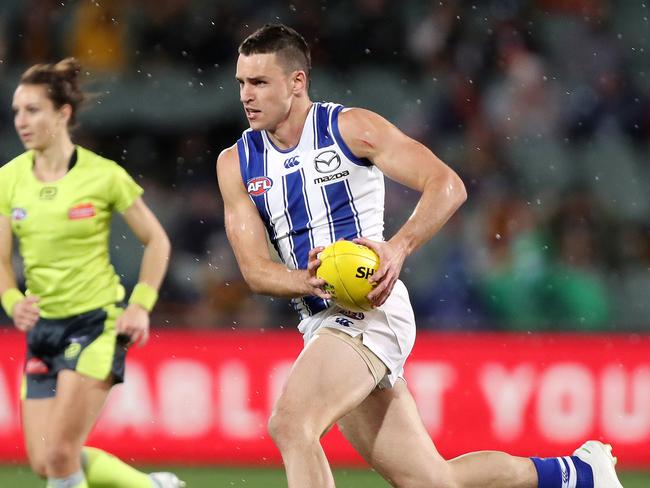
[(346, 267)]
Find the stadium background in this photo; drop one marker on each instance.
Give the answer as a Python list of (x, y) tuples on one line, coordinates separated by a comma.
[(543, 107)]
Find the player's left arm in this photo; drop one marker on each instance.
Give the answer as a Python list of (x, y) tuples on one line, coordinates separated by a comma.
[(410, 163), (134, 322)]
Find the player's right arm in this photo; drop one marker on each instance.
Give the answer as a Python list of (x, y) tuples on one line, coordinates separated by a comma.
[(24, 312), (247, 237)]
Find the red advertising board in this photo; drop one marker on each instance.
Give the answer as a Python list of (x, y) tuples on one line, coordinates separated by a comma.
[(204, 397)]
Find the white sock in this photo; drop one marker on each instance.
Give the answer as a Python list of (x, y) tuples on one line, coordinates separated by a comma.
[(72, 481)]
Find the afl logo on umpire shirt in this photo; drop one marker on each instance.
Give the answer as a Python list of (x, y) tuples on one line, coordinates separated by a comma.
[(18, 213), (327, 161)]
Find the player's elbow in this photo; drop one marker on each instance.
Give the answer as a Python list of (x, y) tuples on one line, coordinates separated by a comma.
[(457, 187), (453, 189), (255, 286), (253, 278)]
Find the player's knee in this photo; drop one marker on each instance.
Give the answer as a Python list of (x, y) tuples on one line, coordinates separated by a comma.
[(280, 428), (288, 430)]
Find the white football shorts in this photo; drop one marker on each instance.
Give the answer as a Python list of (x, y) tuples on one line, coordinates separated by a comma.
[(388, 331)]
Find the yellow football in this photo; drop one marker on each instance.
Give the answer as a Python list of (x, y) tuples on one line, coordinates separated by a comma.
[(346, 267)]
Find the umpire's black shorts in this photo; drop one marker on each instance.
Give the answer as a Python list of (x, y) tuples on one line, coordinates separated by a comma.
[(86, 343)]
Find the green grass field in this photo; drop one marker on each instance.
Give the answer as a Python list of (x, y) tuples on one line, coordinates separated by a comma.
[(21, 477)]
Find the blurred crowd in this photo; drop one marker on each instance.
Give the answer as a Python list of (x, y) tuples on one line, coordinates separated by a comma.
[(542, 107)]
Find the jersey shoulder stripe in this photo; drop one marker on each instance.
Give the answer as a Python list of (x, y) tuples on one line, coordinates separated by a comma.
[(339, 140)]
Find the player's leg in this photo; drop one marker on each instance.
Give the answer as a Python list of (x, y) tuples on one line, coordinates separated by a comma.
[(591, 466), (387, 431), (328, 379)]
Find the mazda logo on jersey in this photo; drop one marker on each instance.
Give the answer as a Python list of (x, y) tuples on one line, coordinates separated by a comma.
[(259, 185), (327, 161)]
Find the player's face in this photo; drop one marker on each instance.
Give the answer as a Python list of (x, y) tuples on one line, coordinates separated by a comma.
[(38, 123), (265, 90)]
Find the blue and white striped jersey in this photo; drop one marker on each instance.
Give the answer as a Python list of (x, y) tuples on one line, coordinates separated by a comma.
[(313, 194)]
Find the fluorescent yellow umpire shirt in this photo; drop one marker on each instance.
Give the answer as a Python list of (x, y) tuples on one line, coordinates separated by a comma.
[(63, 230)]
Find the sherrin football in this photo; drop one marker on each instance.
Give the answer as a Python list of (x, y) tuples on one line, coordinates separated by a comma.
[(346, 267)]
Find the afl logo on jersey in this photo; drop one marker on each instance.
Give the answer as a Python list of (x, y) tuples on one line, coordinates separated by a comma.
[(18, 213), (327, 161), (259, 185)]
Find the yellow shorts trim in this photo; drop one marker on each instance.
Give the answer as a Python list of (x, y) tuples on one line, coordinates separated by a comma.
[(96, 360)]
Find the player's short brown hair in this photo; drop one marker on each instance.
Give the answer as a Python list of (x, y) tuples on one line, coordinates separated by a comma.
[(290, 47)]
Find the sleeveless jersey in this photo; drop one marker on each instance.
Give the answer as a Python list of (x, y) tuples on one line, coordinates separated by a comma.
[(63, 230), (313, 194)]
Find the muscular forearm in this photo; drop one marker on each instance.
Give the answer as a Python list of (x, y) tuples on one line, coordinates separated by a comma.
[(438, 202), (271, 278)]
